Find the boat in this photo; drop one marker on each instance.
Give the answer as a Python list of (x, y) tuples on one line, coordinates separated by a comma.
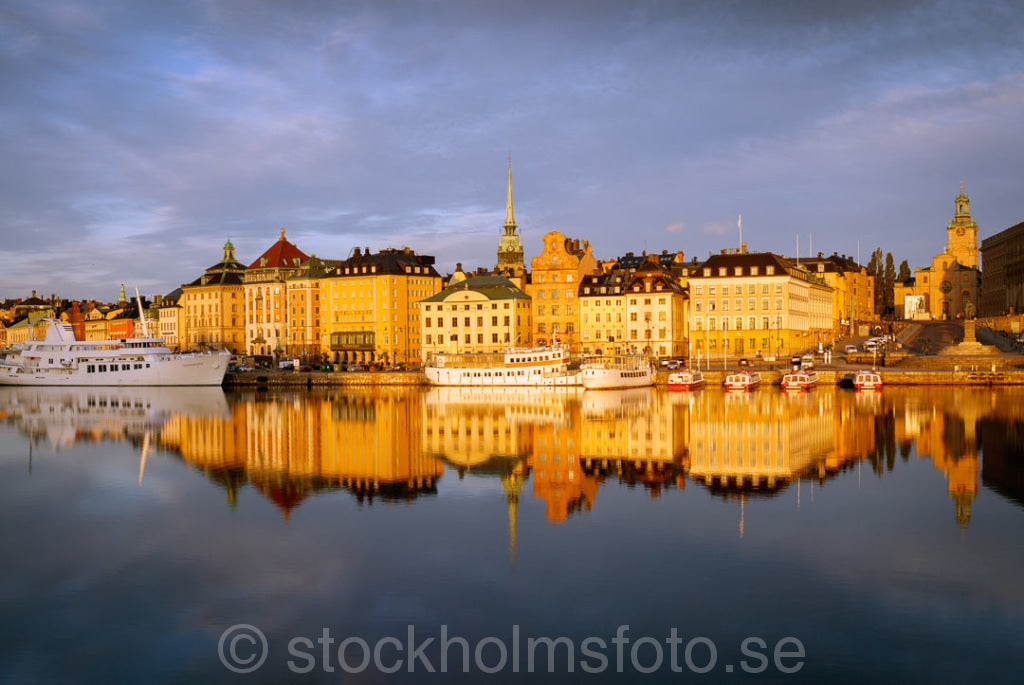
[(800, 380), (686, 379), (60, 359), (536, 366), (617, 371), (742, 380), (867, 380)]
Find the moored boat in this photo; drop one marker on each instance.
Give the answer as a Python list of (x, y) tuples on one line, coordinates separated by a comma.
[(867, 380), (617, 371), (800, 380), (534, 366), (742, 380), (59, 359), (686, 379)]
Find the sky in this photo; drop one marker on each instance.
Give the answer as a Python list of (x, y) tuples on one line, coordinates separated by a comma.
[(137, 137)]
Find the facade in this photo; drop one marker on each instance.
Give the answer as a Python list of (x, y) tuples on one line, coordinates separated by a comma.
[(1002, 291), (372, 315), (853, 289), (305, 338), (602, 313), (948, 288), (266, 310), (213, 307), (750, 304), (510, 247), (170, 318), (477, 314), (95, 324), (655, 312), (556, 274)]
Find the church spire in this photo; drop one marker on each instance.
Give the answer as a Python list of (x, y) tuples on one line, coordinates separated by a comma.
[(510, 218), (510, 247)]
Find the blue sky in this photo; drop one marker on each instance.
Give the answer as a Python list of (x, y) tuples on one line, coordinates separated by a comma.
[(139, 136)]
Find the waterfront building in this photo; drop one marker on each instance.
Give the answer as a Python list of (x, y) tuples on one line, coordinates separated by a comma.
[(757, 303), (266, 311), (510, 261), (944, 289), (372, 304), (95, 324), (554, 286), (1002, 291), (655, 317), (306, 338), (476, 314), (602, 313), (214, 307), (853, 289), (170, 316)]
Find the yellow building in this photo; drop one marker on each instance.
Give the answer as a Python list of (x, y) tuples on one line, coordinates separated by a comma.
[(476, 314), (372, 303), (748, 304), (602, 313), (948, 288), (306, 337), (556, 275), (266, 310), (213, 307), (170, 319), (655, 312), (853, 290)]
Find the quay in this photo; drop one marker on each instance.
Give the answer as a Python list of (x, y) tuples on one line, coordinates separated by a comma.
[(998, 362), (964, 374)]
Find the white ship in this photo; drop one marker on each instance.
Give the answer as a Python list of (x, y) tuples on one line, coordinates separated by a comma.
[(60, 359), (537, 366), (621, 371)]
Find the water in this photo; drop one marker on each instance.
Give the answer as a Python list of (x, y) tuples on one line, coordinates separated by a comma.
[(828, 536)]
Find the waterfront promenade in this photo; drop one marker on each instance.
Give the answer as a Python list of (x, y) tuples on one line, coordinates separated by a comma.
[(918, 361)]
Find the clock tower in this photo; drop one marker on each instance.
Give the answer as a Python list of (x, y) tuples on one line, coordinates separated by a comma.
[(510, 247), (962, 232)]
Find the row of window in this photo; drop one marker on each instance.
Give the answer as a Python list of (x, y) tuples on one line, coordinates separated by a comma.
[(465, 307), (466, 321), (103, 368), (711, 305), (467, 338), (738, 323), (751, 289)]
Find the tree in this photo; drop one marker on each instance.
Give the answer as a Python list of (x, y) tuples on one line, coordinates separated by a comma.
[(888, 283), (904, 275), (875, 271)]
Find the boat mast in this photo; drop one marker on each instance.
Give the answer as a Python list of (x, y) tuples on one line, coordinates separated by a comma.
[(142, 315)]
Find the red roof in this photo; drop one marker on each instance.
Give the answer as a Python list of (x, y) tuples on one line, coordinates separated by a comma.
[(281, 255)]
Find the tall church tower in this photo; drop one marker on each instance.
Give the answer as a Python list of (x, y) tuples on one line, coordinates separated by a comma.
[(962, 232), (510, 247)]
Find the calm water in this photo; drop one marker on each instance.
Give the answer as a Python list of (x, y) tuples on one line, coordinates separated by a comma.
[(439, 536)]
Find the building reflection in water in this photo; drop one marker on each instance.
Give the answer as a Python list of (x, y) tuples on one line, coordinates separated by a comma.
[(392, 443)]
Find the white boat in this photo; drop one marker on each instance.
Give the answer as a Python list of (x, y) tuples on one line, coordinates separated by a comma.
[(867, 380), (742, 380), (538, 366), (800, 380), (686, 379), (617, 371), (60, 359)]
